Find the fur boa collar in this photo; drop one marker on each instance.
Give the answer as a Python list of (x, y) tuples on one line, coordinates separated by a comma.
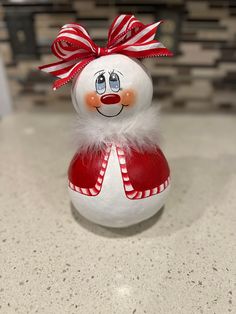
[(140, 131)]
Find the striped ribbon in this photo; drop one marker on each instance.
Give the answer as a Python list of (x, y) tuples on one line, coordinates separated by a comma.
[(75, 48)]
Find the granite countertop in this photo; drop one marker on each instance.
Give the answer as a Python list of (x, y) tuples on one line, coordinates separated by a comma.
[(180, 261)]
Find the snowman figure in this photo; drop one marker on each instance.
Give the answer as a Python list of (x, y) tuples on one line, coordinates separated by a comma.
[(119, 175)]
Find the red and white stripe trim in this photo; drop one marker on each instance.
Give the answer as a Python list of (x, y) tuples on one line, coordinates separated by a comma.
[(130, 192), (98, 186), (75, 48)]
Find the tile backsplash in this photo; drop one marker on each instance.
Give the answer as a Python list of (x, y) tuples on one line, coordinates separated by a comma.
[(202, 35)]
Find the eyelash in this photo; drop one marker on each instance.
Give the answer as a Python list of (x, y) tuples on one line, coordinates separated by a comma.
[(113, 71), (100, 73)]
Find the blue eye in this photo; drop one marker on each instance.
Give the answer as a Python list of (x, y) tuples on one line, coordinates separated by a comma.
[(114, 82), (100, 84)]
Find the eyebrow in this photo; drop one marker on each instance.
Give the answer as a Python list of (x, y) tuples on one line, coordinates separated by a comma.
[(114, 71), (109, 72), (120, 73), (98, 72)]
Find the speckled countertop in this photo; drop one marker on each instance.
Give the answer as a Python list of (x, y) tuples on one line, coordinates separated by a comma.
[(180, 261)]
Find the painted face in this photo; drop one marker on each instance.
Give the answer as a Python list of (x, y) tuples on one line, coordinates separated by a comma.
[(111, 87)]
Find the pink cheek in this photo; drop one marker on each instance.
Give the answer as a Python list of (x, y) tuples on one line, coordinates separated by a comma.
[(92, 100), (128, 97)]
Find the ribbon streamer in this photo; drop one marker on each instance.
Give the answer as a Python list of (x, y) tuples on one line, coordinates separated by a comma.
[(75, 48)]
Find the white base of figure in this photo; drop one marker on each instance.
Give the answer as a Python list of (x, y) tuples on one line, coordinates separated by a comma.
[(111, 207)]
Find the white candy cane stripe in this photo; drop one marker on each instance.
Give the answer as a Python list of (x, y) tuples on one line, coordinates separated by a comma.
[(71, 185), (99, 179), (143, 47), (85, 191), (147, 193), (120, 152), (98, 186), (121, 28), (148, 33), (125, 177), (131, 195), (93, 191), (130, 192), (76, 26), (118, 25), (59, 66), (67, 74), (161, 187), (128, 187), (138, 195), (154, 191), (77, 38), (77, 189), (123, 169)]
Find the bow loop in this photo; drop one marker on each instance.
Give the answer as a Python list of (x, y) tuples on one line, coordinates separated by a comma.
[(73, 41), (123, 27), (75, 48)]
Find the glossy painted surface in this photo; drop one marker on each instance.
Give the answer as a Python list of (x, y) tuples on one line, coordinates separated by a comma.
[(123, 88), (146, 170), (132, 90), (111, 206)]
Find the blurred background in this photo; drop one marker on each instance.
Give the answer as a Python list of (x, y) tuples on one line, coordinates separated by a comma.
[(202, 34), (181, 260)]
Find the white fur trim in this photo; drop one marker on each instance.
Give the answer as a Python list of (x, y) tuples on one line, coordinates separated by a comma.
[(140, 130)]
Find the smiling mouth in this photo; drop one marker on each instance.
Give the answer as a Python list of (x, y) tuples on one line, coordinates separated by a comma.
[(110, 116)]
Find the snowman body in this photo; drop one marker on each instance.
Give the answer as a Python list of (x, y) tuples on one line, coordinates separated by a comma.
[(111, 199), (115, 178)]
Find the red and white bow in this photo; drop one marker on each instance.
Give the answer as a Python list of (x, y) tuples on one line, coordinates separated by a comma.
[(75, 48)]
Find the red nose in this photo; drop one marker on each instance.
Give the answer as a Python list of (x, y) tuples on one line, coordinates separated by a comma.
[(110, 99)]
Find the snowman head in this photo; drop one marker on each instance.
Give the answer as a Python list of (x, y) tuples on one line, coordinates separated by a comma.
[(112, 87), (109, 82)]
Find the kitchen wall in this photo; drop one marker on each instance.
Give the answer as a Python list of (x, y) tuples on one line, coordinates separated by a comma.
[(202, 34)]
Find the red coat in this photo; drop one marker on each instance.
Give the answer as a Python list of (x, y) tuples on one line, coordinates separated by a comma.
[(144, 174)]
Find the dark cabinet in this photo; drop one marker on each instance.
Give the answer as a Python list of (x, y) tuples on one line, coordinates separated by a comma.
[(21, 32)]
